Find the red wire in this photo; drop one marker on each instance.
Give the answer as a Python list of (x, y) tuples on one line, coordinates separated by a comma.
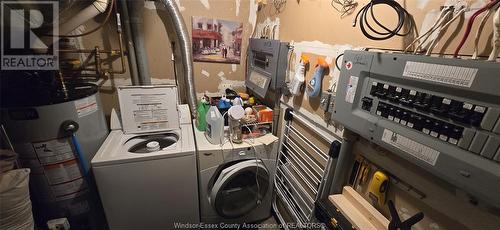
[(471, 22)]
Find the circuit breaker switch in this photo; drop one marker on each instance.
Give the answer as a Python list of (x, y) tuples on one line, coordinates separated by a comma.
[(366, 103), (417, 122), (489, 119), (477, 115), (478, 142), (466, 139), (462, 114), (423, 102), (454, 135), (497, 156), (491, 147)]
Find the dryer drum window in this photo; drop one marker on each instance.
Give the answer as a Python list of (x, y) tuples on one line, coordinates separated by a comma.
[(236, 191)]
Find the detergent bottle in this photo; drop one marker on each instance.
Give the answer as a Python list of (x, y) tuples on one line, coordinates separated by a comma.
[(202, 109), (314, 86), (298, 79), (215, 126)]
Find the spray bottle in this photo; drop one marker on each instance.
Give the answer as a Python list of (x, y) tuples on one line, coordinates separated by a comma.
[(298, 79), (314, 86)]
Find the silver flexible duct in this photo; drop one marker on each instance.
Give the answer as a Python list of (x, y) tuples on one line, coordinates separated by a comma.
[(182, 48)]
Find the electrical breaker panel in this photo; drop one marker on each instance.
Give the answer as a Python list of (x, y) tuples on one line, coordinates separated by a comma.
[(267, 65), (438, 113)]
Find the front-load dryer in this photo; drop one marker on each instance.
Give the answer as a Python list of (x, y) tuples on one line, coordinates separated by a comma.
[(236, 180), (144, 186)]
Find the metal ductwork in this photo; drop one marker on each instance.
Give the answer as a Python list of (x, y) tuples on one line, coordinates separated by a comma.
[(136, 21), (181, 47), (96, 8), (182, 51), (132, 61)]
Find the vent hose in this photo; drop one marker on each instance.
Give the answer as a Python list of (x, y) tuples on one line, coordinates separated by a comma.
[(182, 47)]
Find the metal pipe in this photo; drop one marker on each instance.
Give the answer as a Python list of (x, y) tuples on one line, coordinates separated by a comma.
[(91, 11), (344, 162), (120, 52), (88, 51), (122, 55), (132, 61), (183, 46), (97, 58), (136, 27)]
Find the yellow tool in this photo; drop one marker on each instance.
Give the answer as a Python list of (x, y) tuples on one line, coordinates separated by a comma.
[(378, 187)]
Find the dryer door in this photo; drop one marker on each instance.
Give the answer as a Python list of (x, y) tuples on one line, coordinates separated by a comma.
[(240, 188)]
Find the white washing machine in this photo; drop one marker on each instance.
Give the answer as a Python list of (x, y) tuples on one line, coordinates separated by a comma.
[(141, 188), (236, 180)]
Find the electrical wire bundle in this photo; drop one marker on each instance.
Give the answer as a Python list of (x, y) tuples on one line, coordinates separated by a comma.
[(344, 7), (496, 36), (490, 7), (445, 18), (383, 33)]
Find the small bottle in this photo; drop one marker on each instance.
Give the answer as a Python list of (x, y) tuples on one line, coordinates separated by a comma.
[(314, 86), (236, 113), (298, 79)]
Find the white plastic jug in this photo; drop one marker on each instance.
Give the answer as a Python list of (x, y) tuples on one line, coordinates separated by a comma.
[(215, 126)]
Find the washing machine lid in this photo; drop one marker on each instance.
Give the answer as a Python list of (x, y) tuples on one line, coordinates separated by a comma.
[(240, 188), (146, 109)]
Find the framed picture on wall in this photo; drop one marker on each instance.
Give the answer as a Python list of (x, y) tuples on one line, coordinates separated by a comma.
[(216, 40)]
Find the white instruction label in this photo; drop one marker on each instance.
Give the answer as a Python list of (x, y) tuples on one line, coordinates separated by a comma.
[(148, 109), (420, 151), (447, 74), (54, 151), (86, 106), (351, 89), (259, 80), (150, 113), (63, 172)]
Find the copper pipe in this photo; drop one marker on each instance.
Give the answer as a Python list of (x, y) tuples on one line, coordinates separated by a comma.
[(122, 55), (99, 71), (98, 60)]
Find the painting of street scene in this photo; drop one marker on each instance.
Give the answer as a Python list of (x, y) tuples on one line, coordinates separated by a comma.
[(216, 40)]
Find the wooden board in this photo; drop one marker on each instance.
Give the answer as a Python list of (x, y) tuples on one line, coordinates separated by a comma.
[(358, 211)]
